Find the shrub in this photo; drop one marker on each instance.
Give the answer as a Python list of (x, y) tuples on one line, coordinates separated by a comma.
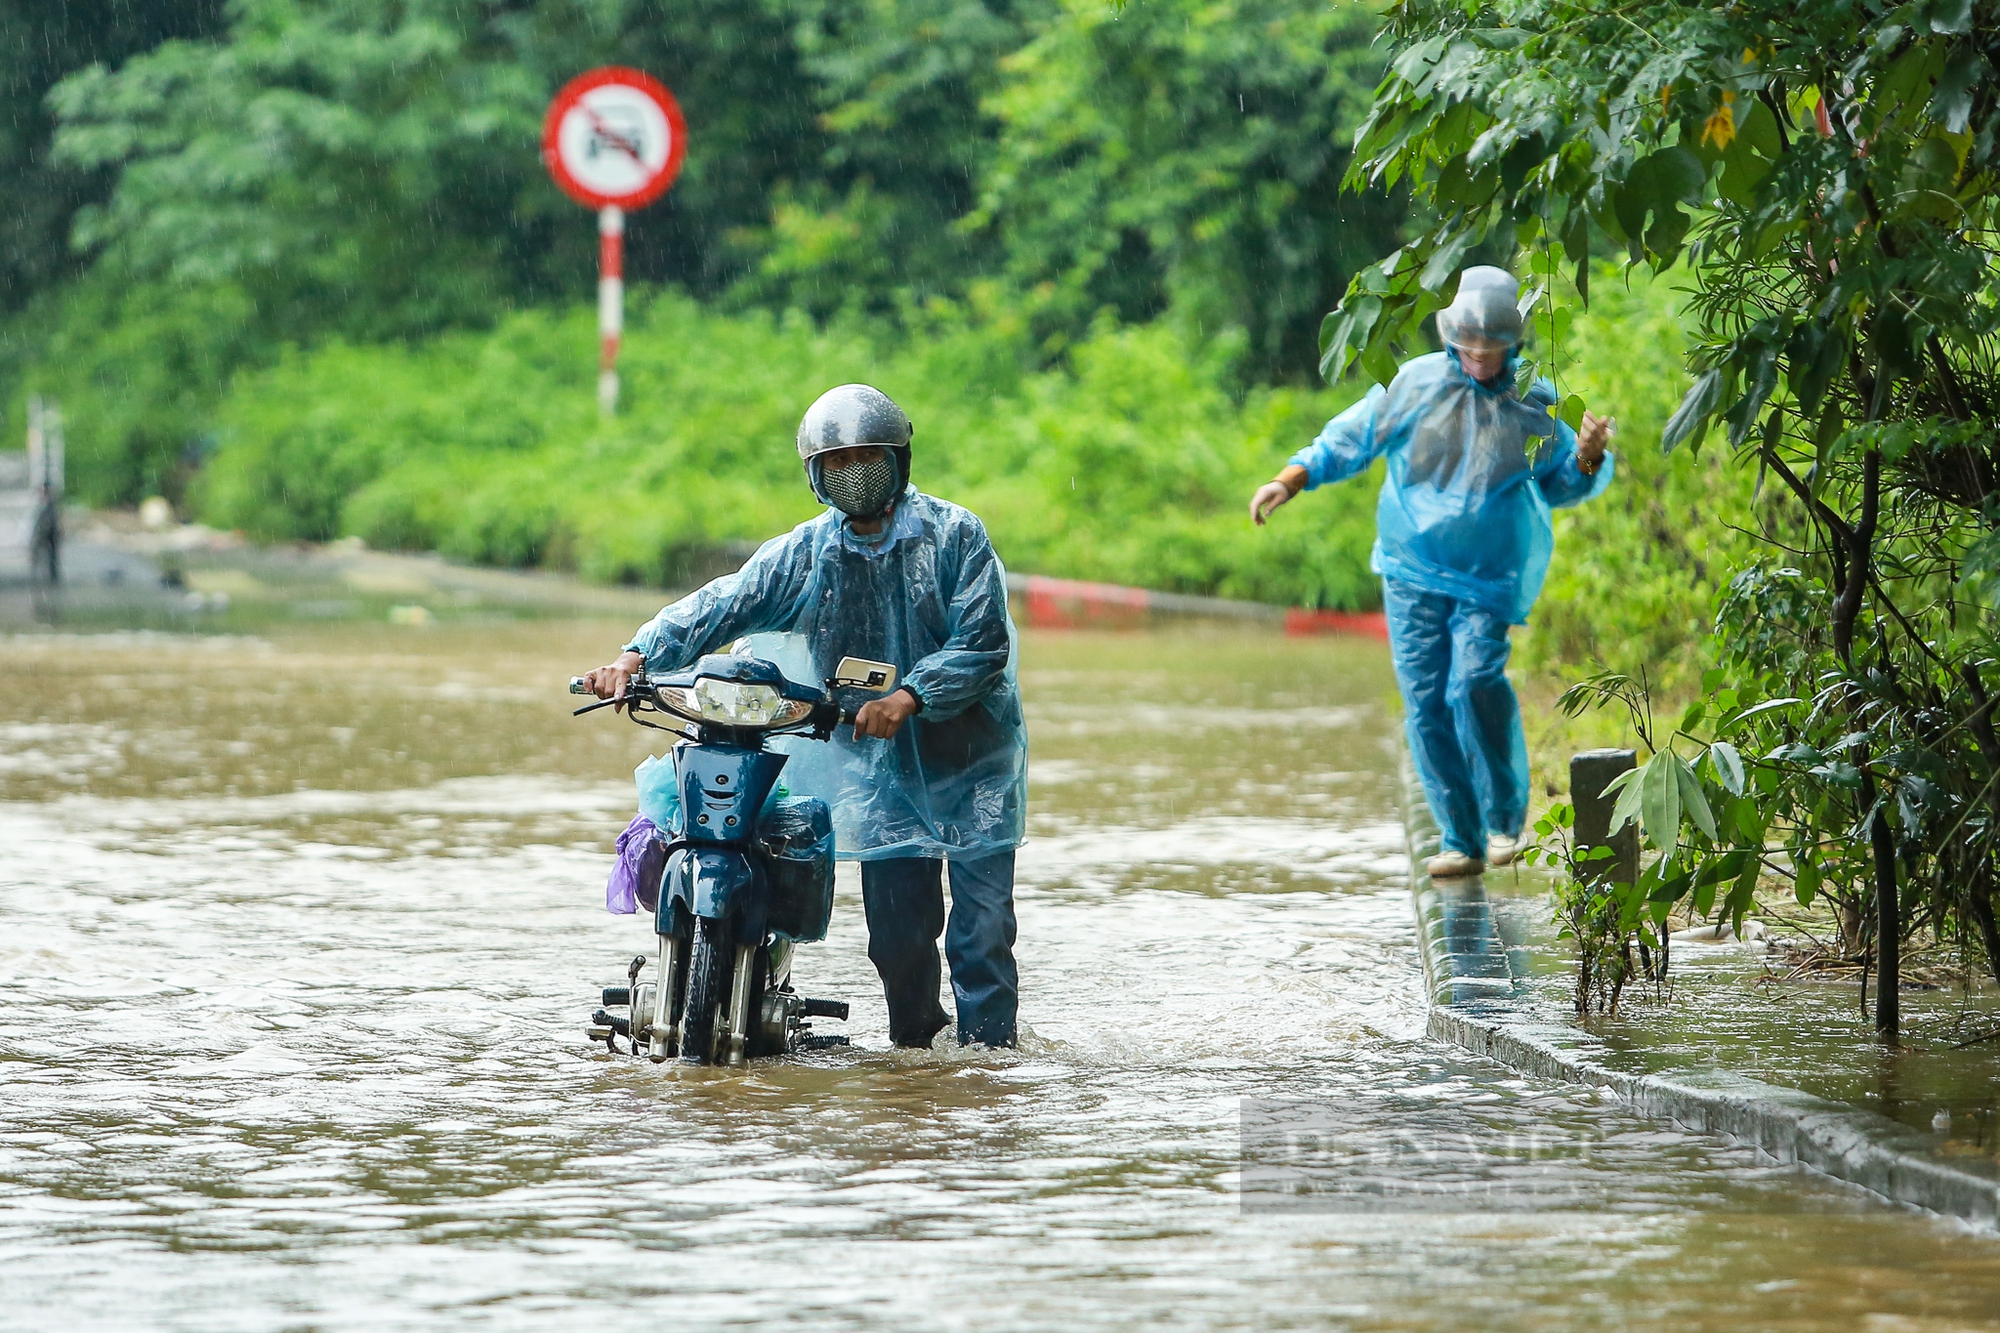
[(1132, 463)]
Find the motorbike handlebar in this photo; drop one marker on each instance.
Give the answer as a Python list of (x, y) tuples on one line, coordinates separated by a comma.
[(577, 686)]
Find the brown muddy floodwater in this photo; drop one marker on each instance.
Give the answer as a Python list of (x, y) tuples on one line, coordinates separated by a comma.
[(301, 931)]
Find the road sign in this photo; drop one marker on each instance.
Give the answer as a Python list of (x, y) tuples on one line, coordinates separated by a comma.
[(614, 140)]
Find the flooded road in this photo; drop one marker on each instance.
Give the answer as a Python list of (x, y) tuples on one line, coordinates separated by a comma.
[(301, 933)]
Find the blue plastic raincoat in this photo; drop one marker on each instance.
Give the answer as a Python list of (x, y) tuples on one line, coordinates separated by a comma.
[(928, 595), (1462, 542), (1473, 473)]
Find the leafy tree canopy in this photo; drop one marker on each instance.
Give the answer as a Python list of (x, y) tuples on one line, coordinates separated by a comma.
[(369, 166), (1189, 154), (43, 42)]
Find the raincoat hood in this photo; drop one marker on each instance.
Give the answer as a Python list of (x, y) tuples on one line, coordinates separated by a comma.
[(1483, 317)]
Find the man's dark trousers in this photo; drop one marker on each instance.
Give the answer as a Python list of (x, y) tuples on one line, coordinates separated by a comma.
[(904, 898)]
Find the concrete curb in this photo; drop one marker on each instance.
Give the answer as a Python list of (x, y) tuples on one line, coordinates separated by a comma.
[(1475, 957)]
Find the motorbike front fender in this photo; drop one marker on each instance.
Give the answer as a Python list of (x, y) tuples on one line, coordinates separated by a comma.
[(725, 884)]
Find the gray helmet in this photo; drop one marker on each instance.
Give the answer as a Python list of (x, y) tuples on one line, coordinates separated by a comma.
[(1483, 316), (850, 417)]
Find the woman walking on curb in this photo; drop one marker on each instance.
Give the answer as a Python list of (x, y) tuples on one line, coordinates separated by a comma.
[(1462, 542)]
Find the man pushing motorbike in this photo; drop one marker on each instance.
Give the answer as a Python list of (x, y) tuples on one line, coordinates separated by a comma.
[(935, 774), (1462, 542)]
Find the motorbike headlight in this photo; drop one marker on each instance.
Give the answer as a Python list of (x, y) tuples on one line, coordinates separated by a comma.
[(731, 703)]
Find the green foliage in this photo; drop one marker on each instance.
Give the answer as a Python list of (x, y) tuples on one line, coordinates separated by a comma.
[(371, 168), (138, 371), (1701, 818), (368, 168), (873, 224), (1607, 922), (1637, 571), (344, 162), (43, 42), (1187, 153), (1132, 464)]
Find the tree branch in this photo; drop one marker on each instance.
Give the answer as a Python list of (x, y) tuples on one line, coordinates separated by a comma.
[(1847, 606), (1954, 395), (1980, 892)]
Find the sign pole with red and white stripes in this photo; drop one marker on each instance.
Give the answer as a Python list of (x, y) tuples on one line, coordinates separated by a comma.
[(610, 303), (614, 140)]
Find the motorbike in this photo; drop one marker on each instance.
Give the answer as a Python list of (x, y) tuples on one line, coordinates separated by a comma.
[(748, 873)]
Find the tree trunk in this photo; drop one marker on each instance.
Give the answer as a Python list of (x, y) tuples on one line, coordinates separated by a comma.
[(1853, 939), (1981, 895)]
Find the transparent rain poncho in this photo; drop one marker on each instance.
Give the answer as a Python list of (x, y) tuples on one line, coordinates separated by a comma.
[(1473, 473), (928, 595)]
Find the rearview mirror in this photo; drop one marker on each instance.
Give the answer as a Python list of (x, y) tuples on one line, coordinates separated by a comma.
[(860, 673)]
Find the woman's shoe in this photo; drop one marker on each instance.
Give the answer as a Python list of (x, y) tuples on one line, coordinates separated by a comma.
[(1453, 865), (1501, 849)]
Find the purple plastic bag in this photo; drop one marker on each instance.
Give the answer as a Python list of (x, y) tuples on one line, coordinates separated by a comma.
[(636, 872)]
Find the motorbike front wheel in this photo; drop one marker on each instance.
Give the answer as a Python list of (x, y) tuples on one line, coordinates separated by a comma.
[(709, 964)]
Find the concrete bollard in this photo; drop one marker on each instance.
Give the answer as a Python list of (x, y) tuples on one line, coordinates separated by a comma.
[(1589, 774)]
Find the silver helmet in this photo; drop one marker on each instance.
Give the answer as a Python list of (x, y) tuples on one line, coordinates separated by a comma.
[(850, 416), (855, 416)]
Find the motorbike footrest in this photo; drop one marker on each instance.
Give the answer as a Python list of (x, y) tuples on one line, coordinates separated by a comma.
[(812, 1041), (614, 995), (621, 1026), (825, 1009)]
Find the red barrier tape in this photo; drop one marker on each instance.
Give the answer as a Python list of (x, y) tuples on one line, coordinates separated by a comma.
[(1068, 604), (1300, 623), (1046, 603)]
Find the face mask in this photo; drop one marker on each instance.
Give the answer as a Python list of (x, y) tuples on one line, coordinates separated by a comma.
[(860, 490)]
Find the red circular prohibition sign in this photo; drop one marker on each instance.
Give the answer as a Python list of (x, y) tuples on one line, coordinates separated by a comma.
[(571, 99)]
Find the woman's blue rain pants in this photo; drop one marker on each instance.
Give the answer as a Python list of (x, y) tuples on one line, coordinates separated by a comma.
[(1463, 721)]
